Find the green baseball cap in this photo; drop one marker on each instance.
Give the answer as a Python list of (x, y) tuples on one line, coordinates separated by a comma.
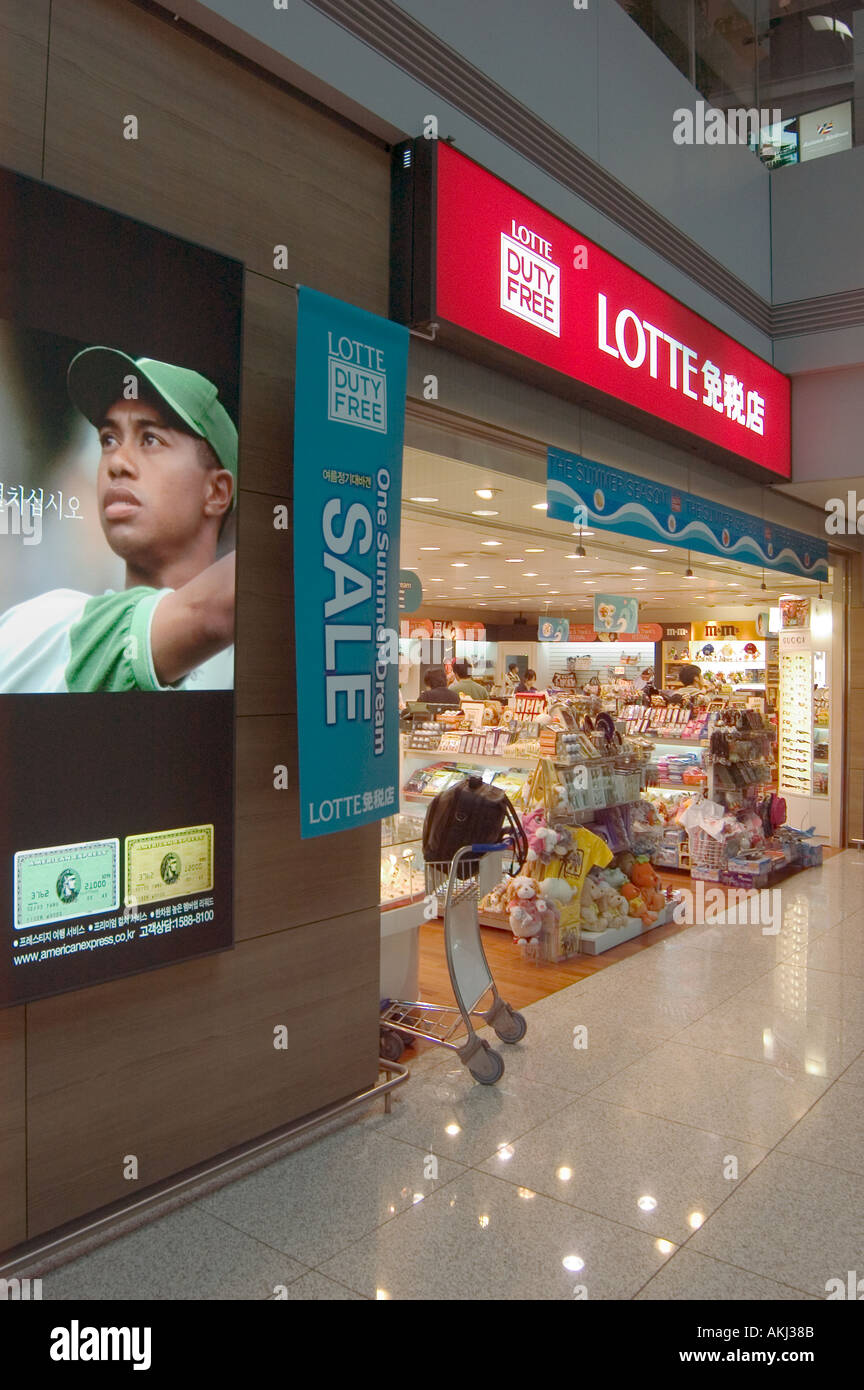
[(98, 376)]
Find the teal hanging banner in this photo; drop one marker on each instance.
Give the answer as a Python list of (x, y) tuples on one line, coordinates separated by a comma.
[(595, 495), (616, 613), (348, 428), (553, 629)]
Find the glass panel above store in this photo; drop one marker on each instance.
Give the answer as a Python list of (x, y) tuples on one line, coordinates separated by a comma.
[(793, 60)]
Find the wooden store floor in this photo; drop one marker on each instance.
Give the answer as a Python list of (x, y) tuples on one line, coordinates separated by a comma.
[(522, 982)]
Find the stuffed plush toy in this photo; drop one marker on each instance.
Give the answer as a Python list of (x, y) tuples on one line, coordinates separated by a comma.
[(625, 862), (526, 912), (616, 877), (557, 890), (563, 844), (643, 874), (541, 840), (530, 912)]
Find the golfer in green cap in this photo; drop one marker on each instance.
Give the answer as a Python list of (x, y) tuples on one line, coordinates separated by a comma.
[(165, 485)]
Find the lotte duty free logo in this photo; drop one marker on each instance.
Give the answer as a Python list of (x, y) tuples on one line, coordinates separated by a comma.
[(530, 279), (357, 385)]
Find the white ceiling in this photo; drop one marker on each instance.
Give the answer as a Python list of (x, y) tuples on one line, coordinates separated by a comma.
[(535, 562)]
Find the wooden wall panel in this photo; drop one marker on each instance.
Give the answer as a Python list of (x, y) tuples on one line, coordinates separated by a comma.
[(23, 49), (13, 1142), (336, 874), (266, 679), (179, 1064), (224, 157), (267, 414)]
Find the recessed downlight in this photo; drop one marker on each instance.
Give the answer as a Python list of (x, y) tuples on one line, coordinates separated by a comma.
[(539, 506), (422, 499), (485, 513), (487, 493), (491, 542), (459, 565), (534, 550)]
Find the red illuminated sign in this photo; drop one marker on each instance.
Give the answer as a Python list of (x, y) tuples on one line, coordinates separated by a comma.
[(507, 270)]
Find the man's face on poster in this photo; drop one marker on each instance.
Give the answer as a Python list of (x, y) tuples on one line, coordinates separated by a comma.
[(157, 485)]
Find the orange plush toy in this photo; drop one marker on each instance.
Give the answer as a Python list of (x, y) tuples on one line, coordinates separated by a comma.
[(643, 875)]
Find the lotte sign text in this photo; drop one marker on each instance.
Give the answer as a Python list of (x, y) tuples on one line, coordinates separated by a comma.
[(505, 269)]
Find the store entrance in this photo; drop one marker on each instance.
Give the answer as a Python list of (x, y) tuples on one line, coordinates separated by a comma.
[(624, 742)]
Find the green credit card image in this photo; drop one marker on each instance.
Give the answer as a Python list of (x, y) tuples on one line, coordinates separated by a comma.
[(66, 881)]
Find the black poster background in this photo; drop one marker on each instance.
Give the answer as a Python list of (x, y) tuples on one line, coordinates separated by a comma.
[(83, 767)]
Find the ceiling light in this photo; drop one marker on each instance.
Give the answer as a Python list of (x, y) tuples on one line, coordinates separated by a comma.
[(422, 499), (481, 576), (529, 574), (534, 550), (481, 513), (459, 565), (430, 547), (539, 506), (543, 584), (665, 571), (658, 550), (499, 586), (491, 542), (487, 493), (554, 591), (435, 581), (688, 573), (517, 561), (638, 567), (459, 586)]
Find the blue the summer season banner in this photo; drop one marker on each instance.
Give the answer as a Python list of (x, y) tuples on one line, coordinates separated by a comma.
[(595, 495), (348, 428)]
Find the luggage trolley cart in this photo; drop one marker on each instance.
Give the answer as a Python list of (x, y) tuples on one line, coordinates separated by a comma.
[(460, 884)]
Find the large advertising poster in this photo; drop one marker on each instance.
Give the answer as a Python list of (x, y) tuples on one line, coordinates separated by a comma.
[(119, 395), (349, 423)]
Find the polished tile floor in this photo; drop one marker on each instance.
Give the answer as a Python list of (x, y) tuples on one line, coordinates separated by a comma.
[(687, 1124)]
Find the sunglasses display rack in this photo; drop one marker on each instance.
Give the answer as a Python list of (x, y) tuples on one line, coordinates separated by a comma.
[(796, 743), (804, 724)]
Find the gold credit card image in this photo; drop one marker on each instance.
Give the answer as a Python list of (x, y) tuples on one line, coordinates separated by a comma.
[(168, 864)]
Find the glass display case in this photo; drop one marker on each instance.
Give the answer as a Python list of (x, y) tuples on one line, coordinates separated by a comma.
[(403, 879)]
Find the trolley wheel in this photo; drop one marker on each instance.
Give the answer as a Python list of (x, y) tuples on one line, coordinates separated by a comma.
[(487, 1066), (511, 1027), (391, 1045)]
